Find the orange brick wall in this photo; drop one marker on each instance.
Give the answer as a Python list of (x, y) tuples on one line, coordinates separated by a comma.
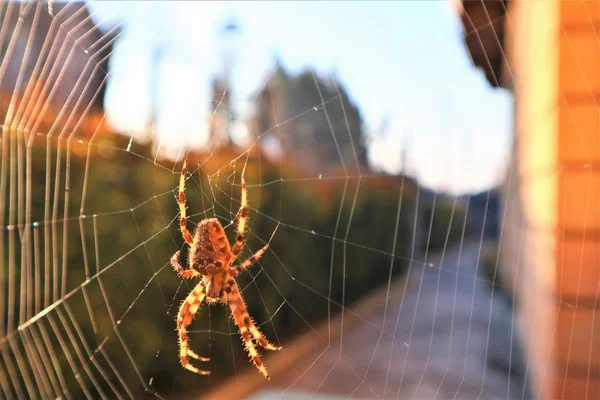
[(577, 347), (551, 247)]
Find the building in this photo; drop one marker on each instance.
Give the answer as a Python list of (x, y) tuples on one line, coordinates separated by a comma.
[(313, 121), (548, 54), (222, 114)]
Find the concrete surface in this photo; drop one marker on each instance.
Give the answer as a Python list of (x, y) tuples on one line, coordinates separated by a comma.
[(448, 337)]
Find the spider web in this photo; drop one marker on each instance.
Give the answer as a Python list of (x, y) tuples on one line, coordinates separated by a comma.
[(349, 288)]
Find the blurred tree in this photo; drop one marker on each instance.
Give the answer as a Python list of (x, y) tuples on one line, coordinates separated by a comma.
[(115, 238), (121, 244)]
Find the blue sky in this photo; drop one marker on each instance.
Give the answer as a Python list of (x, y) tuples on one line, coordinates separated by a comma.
[(401, 61)]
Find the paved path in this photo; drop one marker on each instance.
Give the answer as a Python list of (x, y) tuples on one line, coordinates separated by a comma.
[(434, 343)]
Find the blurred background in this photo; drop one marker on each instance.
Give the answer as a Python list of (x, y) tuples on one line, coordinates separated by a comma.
[(431, 169)]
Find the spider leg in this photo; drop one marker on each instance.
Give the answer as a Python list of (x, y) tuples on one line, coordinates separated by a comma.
[(190, 353), (234, 290), (236, 270), (258, 335), (246, 326), (243, 218), (182, 209), (184, 273), (185, 317)]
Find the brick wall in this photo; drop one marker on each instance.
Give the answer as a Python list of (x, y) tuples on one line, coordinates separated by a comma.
[(551, 241)]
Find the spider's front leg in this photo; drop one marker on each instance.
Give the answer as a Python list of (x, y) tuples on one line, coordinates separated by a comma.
[(243, 218), (187, 236), (185, 317), (184, 273)]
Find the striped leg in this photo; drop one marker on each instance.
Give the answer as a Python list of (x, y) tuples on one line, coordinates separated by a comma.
[(243, 219), (184, 273), (247, 328), (182, 209), (240, 314), (236, 270), (186, 315), (258, 335)]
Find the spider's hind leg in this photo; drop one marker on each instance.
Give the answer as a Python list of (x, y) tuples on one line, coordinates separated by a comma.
[(242, 320), (185, 317), (258, 335), (190, 353)]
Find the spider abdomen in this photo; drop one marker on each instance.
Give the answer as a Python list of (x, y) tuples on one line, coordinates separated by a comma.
[(211, 253)]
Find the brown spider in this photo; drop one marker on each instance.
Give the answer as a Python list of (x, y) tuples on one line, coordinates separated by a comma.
[(211, 258)]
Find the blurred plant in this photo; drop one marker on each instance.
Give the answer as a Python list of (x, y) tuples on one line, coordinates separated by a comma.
[(492, 272), (119, 248), (446, 228)]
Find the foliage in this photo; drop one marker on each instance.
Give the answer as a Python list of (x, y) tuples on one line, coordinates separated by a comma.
[(443, 225), (490, 267), (120, 245)]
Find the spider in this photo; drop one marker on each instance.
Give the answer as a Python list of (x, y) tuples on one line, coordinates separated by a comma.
[(211, 258)]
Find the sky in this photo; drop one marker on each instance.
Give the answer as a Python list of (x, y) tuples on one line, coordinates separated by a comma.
[(402, 62)]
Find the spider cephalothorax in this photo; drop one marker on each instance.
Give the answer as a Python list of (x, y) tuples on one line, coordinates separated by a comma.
[(210, 257)]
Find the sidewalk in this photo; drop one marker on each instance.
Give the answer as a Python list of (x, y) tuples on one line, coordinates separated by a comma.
[(437, 337)]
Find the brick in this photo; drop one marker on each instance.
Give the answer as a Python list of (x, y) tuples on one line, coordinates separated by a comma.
[(576, 12), (575, 258), (578, 339), (579, 67), (574, 388), (579, 136), (578, 200)]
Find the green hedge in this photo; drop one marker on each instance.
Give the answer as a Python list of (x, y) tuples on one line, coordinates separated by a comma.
[(318, 261), (446, 227)]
